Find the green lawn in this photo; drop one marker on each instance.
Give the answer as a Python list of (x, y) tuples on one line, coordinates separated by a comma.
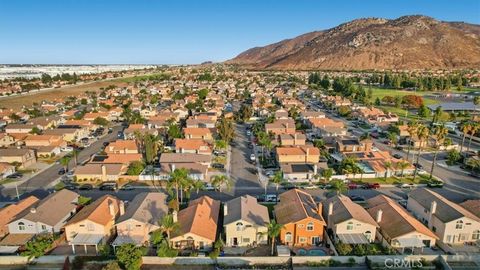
[(6, 181), (421, 179)]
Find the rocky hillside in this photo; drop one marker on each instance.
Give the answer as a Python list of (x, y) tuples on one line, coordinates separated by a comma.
[(409, 42)]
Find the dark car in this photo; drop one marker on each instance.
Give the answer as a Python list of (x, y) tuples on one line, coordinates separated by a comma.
[(250, 145), (62, 171), (371, 186), (86, 187), (218, 166), (108, 187), (70, 187), (397, 156), (418, 166), (435, 184), (15, 176), (357, 199)]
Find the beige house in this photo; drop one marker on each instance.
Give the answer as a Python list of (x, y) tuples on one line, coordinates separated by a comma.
[(292, 139), (122, 147), (349, 222), (24, 157), (245, 222), (141, 218), (453, 224), (100, 171), (398, 228), (94, 224), (300, 154), (9, 213), (198, 225)]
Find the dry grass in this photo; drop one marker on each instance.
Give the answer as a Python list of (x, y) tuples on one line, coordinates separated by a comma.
[(17, 102)]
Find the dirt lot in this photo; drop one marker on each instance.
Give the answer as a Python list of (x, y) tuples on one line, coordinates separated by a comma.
[(16, 102)]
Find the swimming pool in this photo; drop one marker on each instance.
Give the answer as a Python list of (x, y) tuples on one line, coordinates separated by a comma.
[(311, 252)]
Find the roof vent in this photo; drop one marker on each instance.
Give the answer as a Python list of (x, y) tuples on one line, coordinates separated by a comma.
[(33, 210)]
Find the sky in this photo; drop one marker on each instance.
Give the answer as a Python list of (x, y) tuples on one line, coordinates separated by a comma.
[(183, 31)]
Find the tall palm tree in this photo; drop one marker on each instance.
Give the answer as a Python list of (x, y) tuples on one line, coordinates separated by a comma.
[(65, 161), (177, 178), (168, 225), (422, 134), (186, 187), (412, 131), (198, 185), (273, 231), (402, 165), (219, 180), (388, 166), (439, 135), (339, 186), (327, 174), (465, 127), (277, 179), (473, 129)]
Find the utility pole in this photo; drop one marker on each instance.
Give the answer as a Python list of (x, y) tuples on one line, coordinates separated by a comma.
[(16, 189)]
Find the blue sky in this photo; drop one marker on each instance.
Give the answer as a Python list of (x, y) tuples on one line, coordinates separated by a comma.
[(181, 32)]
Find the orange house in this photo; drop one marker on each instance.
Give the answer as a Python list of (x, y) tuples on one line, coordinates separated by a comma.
[(301, 217)]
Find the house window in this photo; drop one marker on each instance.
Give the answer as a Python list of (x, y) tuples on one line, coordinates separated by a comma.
[(21, 226), (246, 240), (368, 235), (449, 238), (349, 226), (459, 225), (310, 226), (476, 235), (44, 227), (288, 237), (434, 229), (90, 227), (302, 239), (239, 226)]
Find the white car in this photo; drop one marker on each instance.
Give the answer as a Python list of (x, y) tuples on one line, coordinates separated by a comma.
[(249, 133), (252, 157), (209, 187), (66, 149)]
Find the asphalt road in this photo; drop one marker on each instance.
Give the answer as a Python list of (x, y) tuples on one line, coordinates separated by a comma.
[(40, 185)]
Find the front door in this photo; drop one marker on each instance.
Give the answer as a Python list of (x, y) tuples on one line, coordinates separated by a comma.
[(235, 241), (315, 240)]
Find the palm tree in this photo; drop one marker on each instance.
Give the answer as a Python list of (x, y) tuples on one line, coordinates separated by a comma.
[(198, 185), (473, 129), (412, 131), (219, 180), (422, 134), (273, 231), (392, 136), (186, 186), (339, 186), (277, 179), (177, 178), (388, 165), (327, 174), (168, 225), (65, 161), (465, 127), (439, 135), (402, 165)]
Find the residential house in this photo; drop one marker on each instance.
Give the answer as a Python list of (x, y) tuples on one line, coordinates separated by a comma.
[(397, 228), (141, 218), (245, 222), (301, 217), (298, 154), (326, 127), (19, 128), (94, 224), (302, 172), (195, 146), (122, 147), (10, 212), (198, 225), (453, 224), (281, 126), (295, 139), (6, 140), (6, 169), (200, 123), (100, 171), (198, 133), (348, 222), (45, 145), (48, 215), (24, 157)]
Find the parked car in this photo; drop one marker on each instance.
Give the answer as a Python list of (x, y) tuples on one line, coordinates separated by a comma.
[(16, 175), (127, 187), (397, 156), (109, 186), (250, 145), (267, 198), (403, 203), (209, 187), (218, 166), (418, 166), (249, 133), (352, 186), (405, 185), (70, 187), (371, 186), (66, 149), (357, 199), (252, 157), (62, 171), (435, 184), (86, 187)]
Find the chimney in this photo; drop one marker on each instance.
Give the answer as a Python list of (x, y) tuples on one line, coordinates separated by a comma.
[(378, 218), (175, 217), (111, 208), (307, 154), (295, 139), (225, 209), (319, 208), (172, 166), (122, 208), (330, 209), (315, 169), (433, 210), (104, 172)]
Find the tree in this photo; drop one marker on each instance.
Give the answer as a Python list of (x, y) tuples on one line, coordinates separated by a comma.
[(473, 129), (65, 161), (219, 180), (36, 131), (112, 266), (339, 186), (246, 112), (129, 256), (168, 225), (412, 128), (412, 101), (476, 100), (164, 250), (175, 181), (423, 111), (277, 179), (437, 114), (392, 136), (465, 128), (402, 165), (174, 131), (453, 156), (422, 133), (84, 200), (439, 136), (136, 167), (344, 111), (150, 145), (273, 231), (226, 129), (349, 166), (38, 246), (377, 102), (220, 144), (388, 166), (198, 185), (327, 174), (100, 121)]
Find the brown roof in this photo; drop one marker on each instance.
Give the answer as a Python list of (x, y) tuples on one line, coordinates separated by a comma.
[(95, 168), (200, 218), (296, 205), (121, 145), (8, 213), (98, 211), (300, 150), (122, 158), (396, 221), (344, 209), (473, 206)]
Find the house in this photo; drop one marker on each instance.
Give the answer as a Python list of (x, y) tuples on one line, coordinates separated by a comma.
[(198, 225), (245, 222), (300, 154), (195, 146), (302, 172), (48, 215), (6, 169), (45, 145), (292, 139), (10, 212), (68, 133), (100, 171), (281, 126), (453, 224), (141, 218), (374, 115), (19, 128), (198, 133), (6, 140), (122, 147), (348, 222), (473, 206), (24, 157), (305, 115), (169, 158), (200, 123), (397, 228), (326, 127), (301, 217), (124, 159), (94, 224), (196, 171), (353, 144)]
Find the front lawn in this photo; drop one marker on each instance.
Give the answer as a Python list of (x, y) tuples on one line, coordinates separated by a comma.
[(420, 179)]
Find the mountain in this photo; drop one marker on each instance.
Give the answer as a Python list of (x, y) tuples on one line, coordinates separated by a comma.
[(409, 42)]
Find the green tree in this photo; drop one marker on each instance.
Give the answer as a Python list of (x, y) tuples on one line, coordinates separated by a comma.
[(38, 246), (423, 111), (84, 200), (65, 161), (273, 231), (439, 135), (226, 129), (168, 225), (177, 178), (220, 144), (327, 174), (377, 102), (174, 131), (465, 128), (136, 167), (36, 131), (473, 130), (100, 121), (220, 180), (112, 266), (277, 179), (129, 256), (453, 156), (388, 166), (339, 186), (412, 128), (476, 100), (164, 250), (150, 145), (422, 134), (343, 249)]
